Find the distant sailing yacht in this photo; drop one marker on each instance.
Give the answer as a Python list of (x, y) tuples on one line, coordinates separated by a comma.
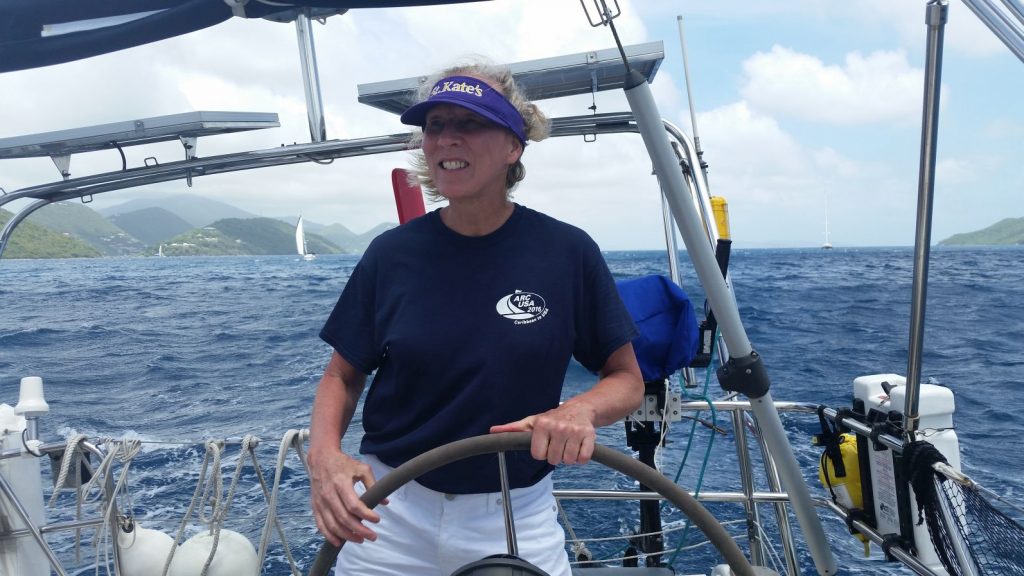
[(300, 241), (827, 245)]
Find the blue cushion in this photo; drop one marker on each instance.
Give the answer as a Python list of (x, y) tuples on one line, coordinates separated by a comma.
[(667, 323)]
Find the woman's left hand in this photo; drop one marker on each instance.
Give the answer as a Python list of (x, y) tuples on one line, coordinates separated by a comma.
[(561, 435)]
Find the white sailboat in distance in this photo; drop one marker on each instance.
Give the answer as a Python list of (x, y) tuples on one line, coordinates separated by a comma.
[(300, 241), (827, 245)]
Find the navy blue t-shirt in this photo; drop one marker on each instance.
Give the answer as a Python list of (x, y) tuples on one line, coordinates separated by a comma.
[(469, 332)]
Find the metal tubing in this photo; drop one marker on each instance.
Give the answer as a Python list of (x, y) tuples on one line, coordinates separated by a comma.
[(6, 490), (905, 557), (735, 497), (55, 527), (5, 235), (277, 156), (310, 77), (506, 507), (47, 448), (703, 196), (747, 485), (781, 514), (703, 199), (949, 517), (1015, 8), (936, 21), (689, 90), (652, 129), (291, 154), (888, 440), (671, 245), (739, 405), (1000, 24), (282, 155)]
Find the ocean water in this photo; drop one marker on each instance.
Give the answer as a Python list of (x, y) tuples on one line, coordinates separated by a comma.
[(175, 351)]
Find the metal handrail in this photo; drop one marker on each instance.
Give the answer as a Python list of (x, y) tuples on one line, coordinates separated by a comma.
[(581, 494)]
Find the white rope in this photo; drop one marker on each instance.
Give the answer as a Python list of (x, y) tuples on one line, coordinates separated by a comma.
[(125, 451), (641, 556), (578, 547), (665, 425), (291, 438), (71, 451), (628, 536), (220, 510), (200, 494), (773, 554)]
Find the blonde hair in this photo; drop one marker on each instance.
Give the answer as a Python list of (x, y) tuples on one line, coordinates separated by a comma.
[(537, 125)]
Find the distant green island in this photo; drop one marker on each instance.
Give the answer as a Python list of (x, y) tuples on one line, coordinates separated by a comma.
[(1006, 232), (181, 225), (30, 240), (189, 225)]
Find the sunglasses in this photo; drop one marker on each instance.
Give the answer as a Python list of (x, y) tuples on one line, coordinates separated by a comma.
[(461, 126)]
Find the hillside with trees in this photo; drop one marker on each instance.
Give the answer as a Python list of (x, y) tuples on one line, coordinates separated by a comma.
[(31, 240), (1009, 231), (237, 236), (147, 227)]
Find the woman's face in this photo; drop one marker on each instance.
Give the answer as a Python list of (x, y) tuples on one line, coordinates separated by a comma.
[(467, 155)]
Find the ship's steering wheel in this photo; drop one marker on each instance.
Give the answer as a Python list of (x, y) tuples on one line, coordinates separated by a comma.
[(493, 443)]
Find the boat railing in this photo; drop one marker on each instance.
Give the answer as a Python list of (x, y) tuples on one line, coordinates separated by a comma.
[(747, 498), (56, 451)]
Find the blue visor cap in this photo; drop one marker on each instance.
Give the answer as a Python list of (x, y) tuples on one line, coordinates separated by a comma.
[(472, 94)]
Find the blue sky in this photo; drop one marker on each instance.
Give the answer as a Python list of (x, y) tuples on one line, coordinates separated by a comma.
[(835, 89), (797, 102)]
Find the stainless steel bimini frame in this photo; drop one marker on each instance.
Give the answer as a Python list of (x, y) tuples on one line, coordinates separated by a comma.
[(572, 74)]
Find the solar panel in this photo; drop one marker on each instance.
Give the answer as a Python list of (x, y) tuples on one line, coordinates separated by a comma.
[(568, 75), (134, 132)]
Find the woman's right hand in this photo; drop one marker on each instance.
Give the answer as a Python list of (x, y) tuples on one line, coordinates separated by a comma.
[(338, 511)]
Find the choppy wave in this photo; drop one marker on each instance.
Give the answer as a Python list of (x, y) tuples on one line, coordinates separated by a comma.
[(182, 350)]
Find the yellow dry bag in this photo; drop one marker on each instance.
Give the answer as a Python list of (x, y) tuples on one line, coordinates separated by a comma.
[(842, 479)]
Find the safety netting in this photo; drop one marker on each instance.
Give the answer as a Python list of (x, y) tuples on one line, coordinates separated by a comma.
[(968, 526)]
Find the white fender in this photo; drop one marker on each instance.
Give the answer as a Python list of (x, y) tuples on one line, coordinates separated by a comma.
[(235, 556), (143, 551)]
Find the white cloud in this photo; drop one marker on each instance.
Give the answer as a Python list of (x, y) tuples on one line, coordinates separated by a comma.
[(964, 33), (757, 160), (1004, 128), (776, 185), (831, 162), (879, 87), (783, 129), (954, 171)]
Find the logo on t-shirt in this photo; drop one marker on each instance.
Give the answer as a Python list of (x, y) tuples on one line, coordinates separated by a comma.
[(522, 307)]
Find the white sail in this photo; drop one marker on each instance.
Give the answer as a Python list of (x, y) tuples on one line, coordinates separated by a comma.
[(300, 241), (300, 238), (828, 244)]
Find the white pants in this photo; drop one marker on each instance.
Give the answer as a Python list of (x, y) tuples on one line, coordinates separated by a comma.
[(428, 533)]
